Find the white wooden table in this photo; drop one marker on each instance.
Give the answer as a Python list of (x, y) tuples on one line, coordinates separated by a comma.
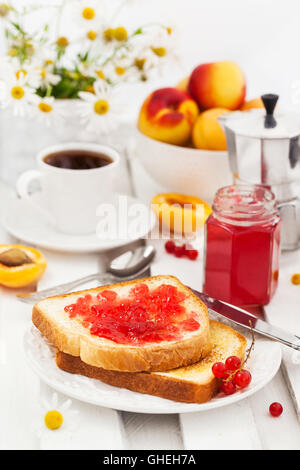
[(245, 425)]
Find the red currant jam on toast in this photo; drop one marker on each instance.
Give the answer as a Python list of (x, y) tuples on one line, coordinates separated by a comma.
[(143, 316)]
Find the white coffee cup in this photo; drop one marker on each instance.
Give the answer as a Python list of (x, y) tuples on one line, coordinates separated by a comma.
[(69, 198)]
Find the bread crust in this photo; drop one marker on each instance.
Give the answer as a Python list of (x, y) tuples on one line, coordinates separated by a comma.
[(150, 383), (119, 357)]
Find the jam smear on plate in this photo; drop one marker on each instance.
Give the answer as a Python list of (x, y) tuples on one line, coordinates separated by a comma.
[(144, 316)]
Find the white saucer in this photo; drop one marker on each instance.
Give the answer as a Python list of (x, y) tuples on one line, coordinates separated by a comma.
[(26, 224)]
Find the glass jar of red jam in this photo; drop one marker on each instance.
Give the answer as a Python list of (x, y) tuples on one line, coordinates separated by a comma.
[(242, 245)]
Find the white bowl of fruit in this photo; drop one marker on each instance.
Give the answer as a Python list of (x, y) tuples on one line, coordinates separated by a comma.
[(179, 139)]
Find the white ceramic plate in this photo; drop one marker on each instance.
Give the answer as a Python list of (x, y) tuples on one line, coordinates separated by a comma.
[(26, 224), (264, 362)]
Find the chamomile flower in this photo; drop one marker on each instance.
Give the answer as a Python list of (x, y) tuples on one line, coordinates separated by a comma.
[(163, 45), (48, 111), (99, 111), (55, 416), (16, 93), (11, 67), (90, 15), (47, 77)]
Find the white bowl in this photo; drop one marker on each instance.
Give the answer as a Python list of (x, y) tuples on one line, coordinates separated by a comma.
[(184, 170)]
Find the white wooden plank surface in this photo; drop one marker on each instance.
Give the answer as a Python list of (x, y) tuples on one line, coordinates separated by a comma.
[(231, 427), (284, 311), (145, 431)]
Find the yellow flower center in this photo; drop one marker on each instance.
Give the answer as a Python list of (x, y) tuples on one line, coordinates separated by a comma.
[(159, 51), (17, 92), (53, 419), (100, 74), (91, 35), (42, 71), (62, 41), (120, 70), (120, 33), (49, 62), (20, 72), (101, 107), (88, 13), (169, 30), (139, 63), (296, 279), (108, 34), (4, 9), (90, 89), (45, 107), (12, 52)]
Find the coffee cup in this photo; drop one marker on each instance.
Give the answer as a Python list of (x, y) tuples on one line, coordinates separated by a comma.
[(75, 179)]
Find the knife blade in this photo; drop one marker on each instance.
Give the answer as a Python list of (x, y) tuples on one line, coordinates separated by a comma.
[(243, 318)]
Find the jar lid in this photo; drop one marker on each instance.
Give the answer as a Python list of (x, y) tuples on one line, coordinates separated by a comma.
[(264, 124)]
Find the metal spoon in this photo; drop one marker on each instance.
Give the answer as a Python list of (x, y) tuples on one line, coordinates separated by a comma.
[(124, 267)]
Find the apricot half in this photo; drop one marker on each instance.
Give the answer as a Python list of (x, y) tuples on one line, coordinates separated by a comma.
[(180, 213), (20, 265)]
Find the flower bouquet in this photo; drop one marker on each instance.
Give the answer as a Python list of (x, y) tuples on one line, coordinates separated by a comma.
[(67, 63)]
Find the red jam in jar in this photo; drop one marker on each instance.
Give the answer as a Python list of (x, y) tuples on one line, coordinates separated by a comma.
[(142, 316), (242, 246)]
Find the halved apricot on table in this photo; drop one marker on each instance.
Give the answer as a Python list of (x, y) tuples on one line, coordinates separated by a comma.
[(180, 213), (20, 265)]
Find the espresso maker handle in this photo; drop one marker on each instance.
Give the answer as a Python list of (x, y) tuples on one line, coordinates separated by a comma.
[(290, 224)]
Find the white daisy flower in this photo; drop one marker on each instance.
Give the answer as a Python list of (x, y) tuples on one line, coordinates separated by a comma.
[(99, 111), (55, 417), (87, 68), (47, 111), (16, 93), (120, 69), (162, 45), (90, 15), (11, 67), (47, 77)]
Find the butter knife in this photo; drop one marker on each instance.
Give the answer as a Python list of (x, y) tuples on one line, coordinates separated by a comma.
[(243, 318)]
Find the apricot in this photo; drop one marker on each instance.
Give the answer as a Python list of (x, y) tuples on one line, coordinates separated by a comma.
[(252, 104), (207, 132), (218, 85), (168, 115), (20, 265), (180, 213), (183, 84)]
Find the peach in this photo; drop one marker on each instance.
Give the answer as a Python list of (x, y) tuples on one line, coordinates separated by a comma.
[(252, 104), (180, 213), (183, 84), (218, 85), (168, 115), (207, 132)]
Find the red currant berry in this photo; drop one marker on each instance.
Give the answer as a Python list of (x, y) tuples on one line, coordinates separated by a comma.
[(219, 370), (275, 409), (179, 251), (170, 246), (228, 388), (232, 363), (242, 378), (192, 254)]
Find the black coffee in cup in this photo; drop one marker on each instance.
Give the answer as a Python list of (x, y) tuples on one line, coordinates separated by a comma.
[(77, 159)]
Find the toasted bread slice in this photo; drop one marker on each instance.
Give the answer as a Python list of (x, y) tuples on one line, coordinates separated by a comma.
[(70, 336), (191, 384)]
